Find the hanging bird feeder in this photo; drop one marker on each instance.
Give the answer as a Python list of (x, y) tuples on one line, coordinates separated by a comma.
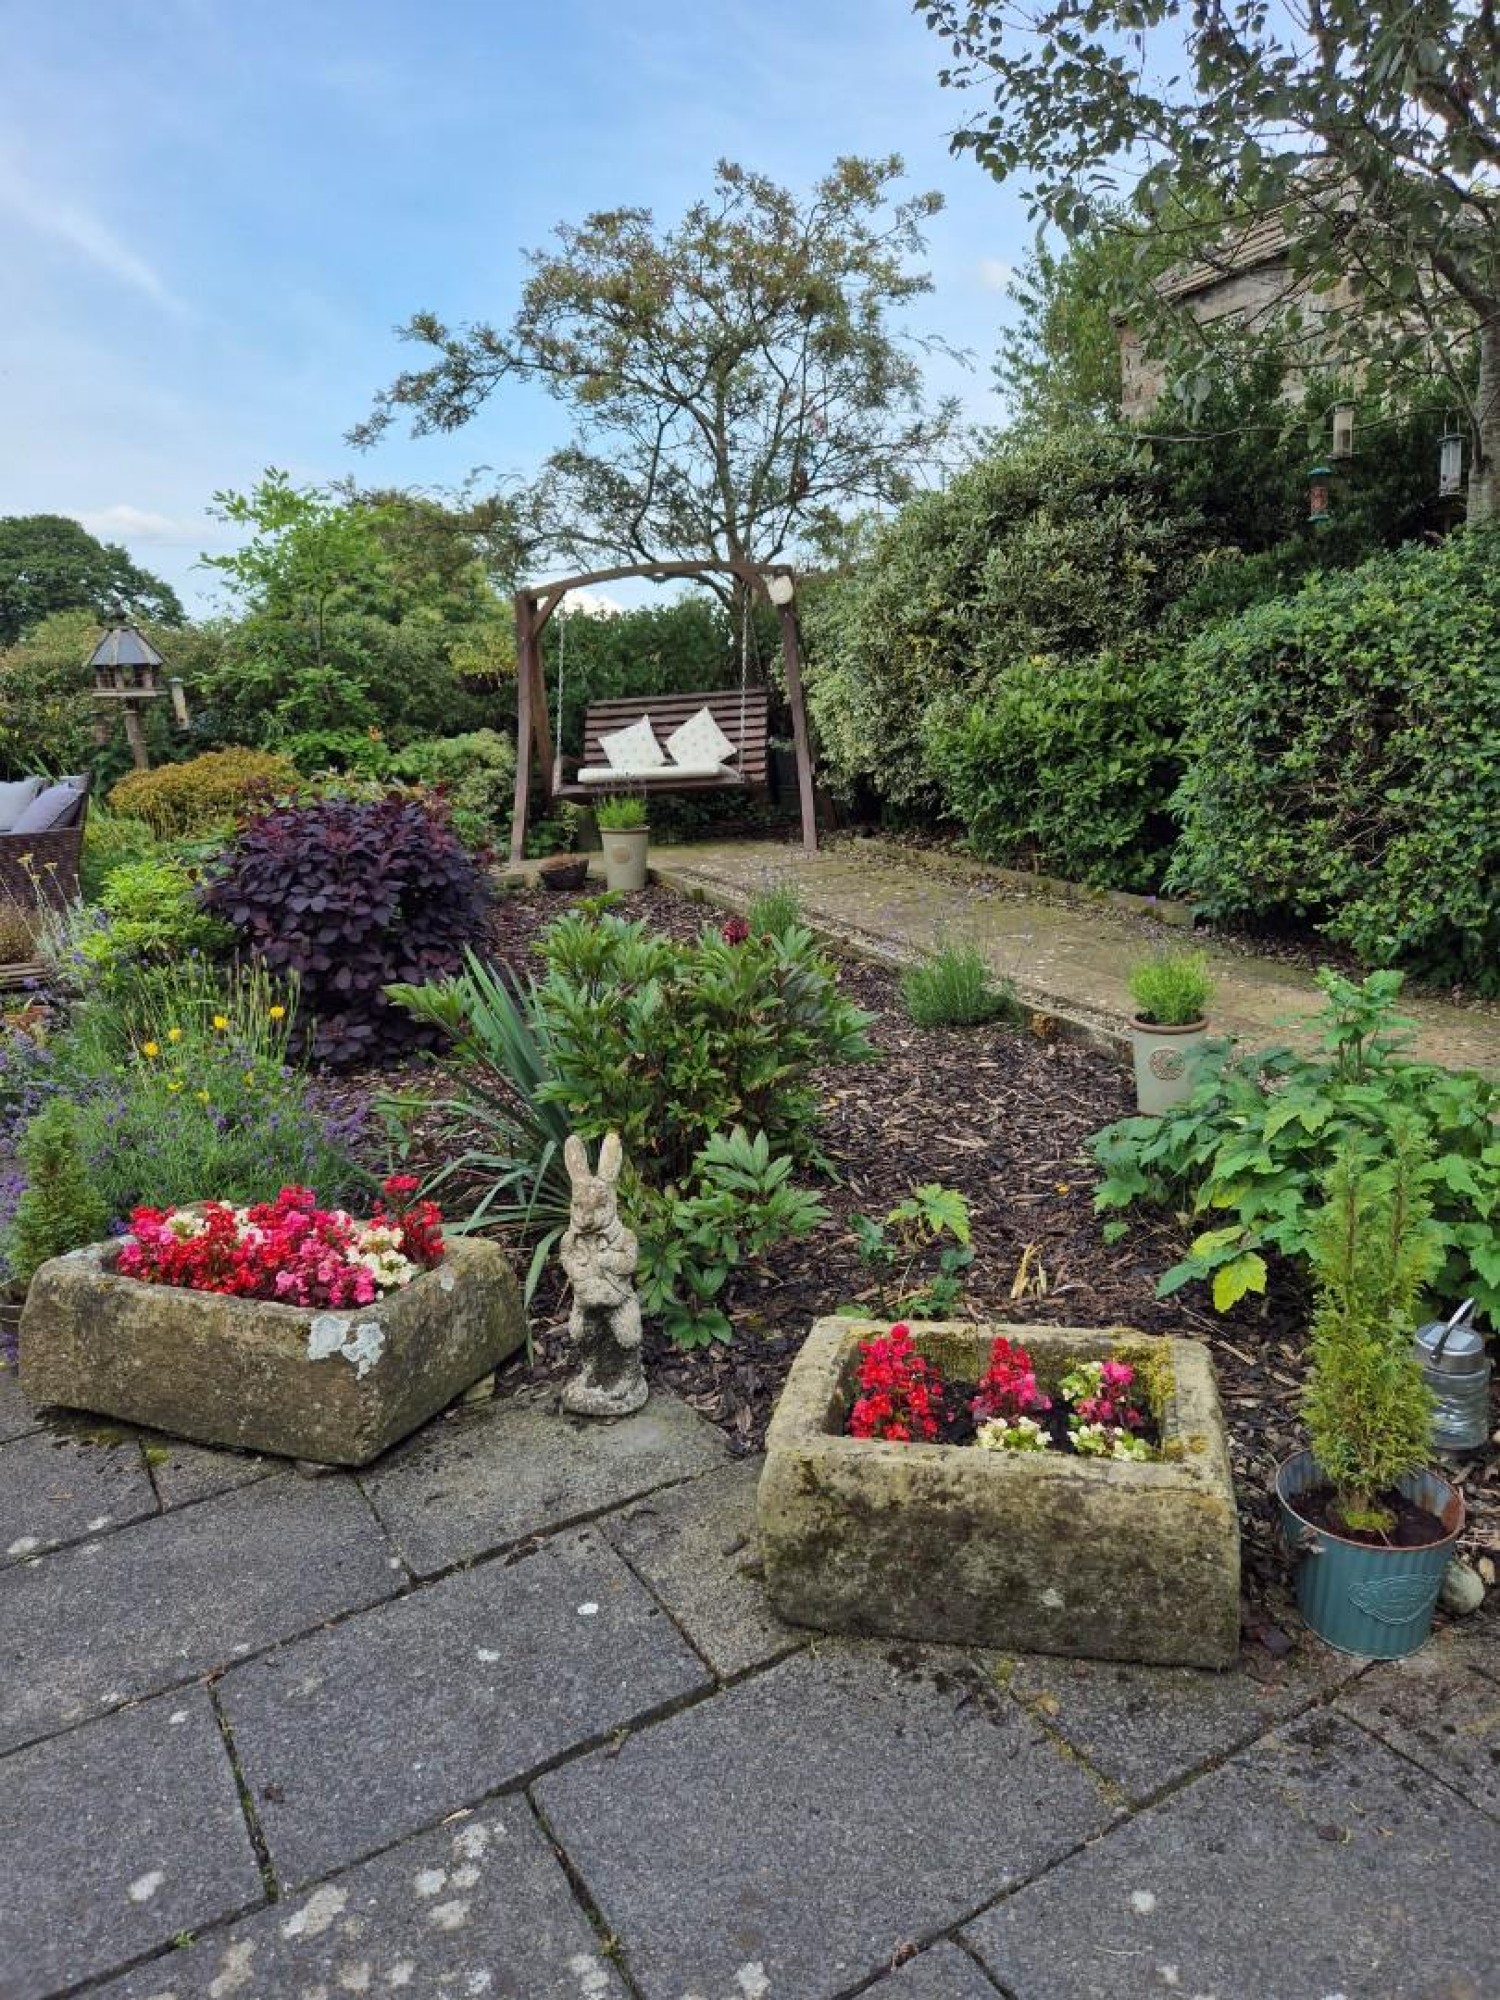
[(1317, 494)]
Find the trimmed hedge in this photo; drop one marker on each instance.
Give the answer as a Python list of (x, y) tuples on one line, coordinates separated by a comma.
[(1068, 768), (1343, 752), (177, 799)]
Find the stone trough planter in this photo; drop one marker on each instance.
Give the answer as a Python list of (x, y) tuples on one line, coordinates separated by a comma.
[(1028, 1552), (335, 1387)]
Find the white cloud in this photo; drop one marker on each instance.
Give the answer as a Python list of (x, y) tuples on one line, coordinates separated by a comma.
[(78, 230), (140, 524), (593, 603), (994, 273)]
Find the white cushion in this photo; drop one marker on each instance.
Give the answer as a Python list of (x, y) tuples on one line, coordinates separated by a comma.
[(700, 740), (631, 751), (15, 797), (603, 774)]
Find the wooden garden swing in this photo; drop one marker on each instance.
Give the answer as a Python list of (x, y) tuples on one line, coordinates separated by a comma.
[(740, 713)]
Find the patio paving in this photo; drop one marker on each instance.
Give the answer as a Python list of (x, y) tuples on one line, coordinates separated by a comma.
[(508, 1715)]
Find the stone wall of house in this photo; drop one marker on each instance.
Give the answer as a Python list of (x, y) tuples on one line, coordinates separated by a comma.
[(1256, 298)]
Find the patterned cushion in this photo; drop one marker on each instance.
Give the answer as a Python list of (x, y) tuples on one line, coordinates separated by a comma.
[(56, 807), (634, 749), (15, 798), (699, 741)]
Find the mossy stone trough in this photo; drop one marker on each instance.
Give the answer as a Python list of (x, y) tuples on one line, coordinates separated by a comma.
[(338, 1388), (1027, 1551)]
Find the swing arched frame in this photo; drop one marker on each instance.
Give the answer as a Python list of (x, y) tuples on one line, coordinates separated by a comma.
[(535, 604)]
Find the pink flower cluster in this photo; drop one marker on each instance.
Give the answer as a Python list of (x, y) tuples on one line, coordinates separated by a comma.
[(1008, 1387), (1098, 1393), (288, 1250)]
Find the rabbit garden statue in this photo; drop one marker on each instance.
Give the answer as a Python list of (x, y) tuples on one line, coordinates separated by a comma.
[(599, 1255)]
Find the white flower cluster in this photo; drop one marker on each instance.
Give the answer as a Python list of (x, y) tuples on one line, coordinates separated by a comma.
[(1012, 1434), (377, 1248)]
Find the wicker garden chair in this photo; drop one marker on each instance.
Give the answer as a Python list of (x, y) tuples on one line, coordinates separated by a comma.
[(43, 867)]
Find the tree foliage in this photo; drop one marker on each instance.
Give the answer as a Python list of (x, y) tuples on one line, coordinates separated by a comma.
[(358, 612), (49, 563), (1048, 549), (737, 380), (1370, 129)]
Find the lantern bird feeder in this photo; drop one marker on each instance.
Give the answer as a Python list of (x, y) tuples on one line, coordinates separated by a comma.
[(1343, 431), (127, 675), (1317, 494), (1451, 465)]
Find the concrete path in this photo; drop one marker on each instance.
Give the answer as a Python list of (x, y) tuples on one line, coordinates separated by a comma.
[(1070, 959), (509, 1716)]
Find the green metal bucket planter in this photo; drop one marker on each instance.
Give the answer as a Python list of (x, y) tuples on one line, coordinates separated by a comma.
[(1360, 1597)]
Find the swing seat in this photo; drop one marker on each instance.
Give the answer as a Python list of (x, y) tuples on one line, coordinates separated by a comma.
[(742, 714)]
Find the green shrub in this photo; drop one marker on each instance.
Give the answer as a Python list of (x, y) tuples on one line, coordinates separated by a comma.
[(1343, 752), (478, 772), (775, 910), (62, 1207), (1066, 768), (110, 841), (668, 1043), (151, 910), (1173, 989), (182, 1086), (1255, 1142), (951, 987), (1367, 1409), (1057, 547), (204, 792)]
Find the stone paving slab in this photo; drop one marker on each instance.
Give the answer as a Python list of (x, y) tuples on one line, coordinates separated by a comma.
[(479, 1908), (1316, 1864), (375, 1728), (696, 1547), (1147, 1727), (113, 1839), (184, 1473), (152, 1605), (492, 1475), (17, 1415), (788, 1837), (1476, 1641), (1442, 1715), (54, 1490), (945, 1973)]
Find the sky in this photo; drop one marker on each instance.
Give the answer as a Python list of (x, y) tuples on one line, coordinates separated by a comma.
[(215, 213)]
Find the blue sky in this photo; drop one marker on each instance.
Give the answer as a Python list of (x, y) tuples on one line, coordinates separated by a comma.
[(214, 212)]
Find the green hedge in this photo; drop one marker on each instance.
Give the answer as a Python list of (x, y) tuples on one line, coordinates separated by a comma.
[(1343, 751), (1068, 768), (1061, 546)]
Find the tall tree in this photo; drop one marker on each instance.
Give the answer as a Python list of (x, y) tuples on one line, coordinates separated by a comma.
[(50, 563), (1370, 128), (737, 381)]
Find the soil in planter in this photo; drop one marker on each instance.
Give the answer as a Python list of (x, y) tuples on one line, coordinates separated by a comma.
[(1416, 1527)]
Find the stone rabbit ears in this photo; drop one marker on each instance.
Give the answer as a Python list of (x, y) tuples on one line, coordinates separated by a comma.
[(611, 1158)]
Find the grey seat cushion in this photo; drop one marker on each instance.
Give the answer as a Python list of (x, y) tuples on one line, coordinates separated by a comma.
[(56, 807), (15, 797)]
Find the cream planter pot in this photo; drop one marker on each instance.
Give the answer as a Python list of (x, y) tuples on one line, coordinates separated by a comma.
[(1025, 1551), (1165, 1063), (336, 1387), (625, 857)]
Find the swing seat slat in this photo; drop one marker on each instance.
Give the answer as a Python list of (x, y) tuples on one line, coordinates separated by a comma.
[(742, 714)]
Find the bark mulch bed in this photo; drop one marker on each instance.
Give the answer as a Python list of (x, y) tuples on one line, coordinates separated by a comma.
[(1003, 1115)]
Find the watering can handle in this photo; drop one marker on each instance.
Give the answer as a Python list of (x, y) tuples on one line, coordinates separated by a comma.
[(1452, 1326)]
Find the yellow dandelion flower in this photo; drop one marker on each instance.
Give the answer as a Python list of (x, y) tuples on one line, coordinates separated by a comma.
[(249, 1076), (150, 1048), (277, 1013), (203, 1097), (221, 1022), (174, 1086), (174, 1034)]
